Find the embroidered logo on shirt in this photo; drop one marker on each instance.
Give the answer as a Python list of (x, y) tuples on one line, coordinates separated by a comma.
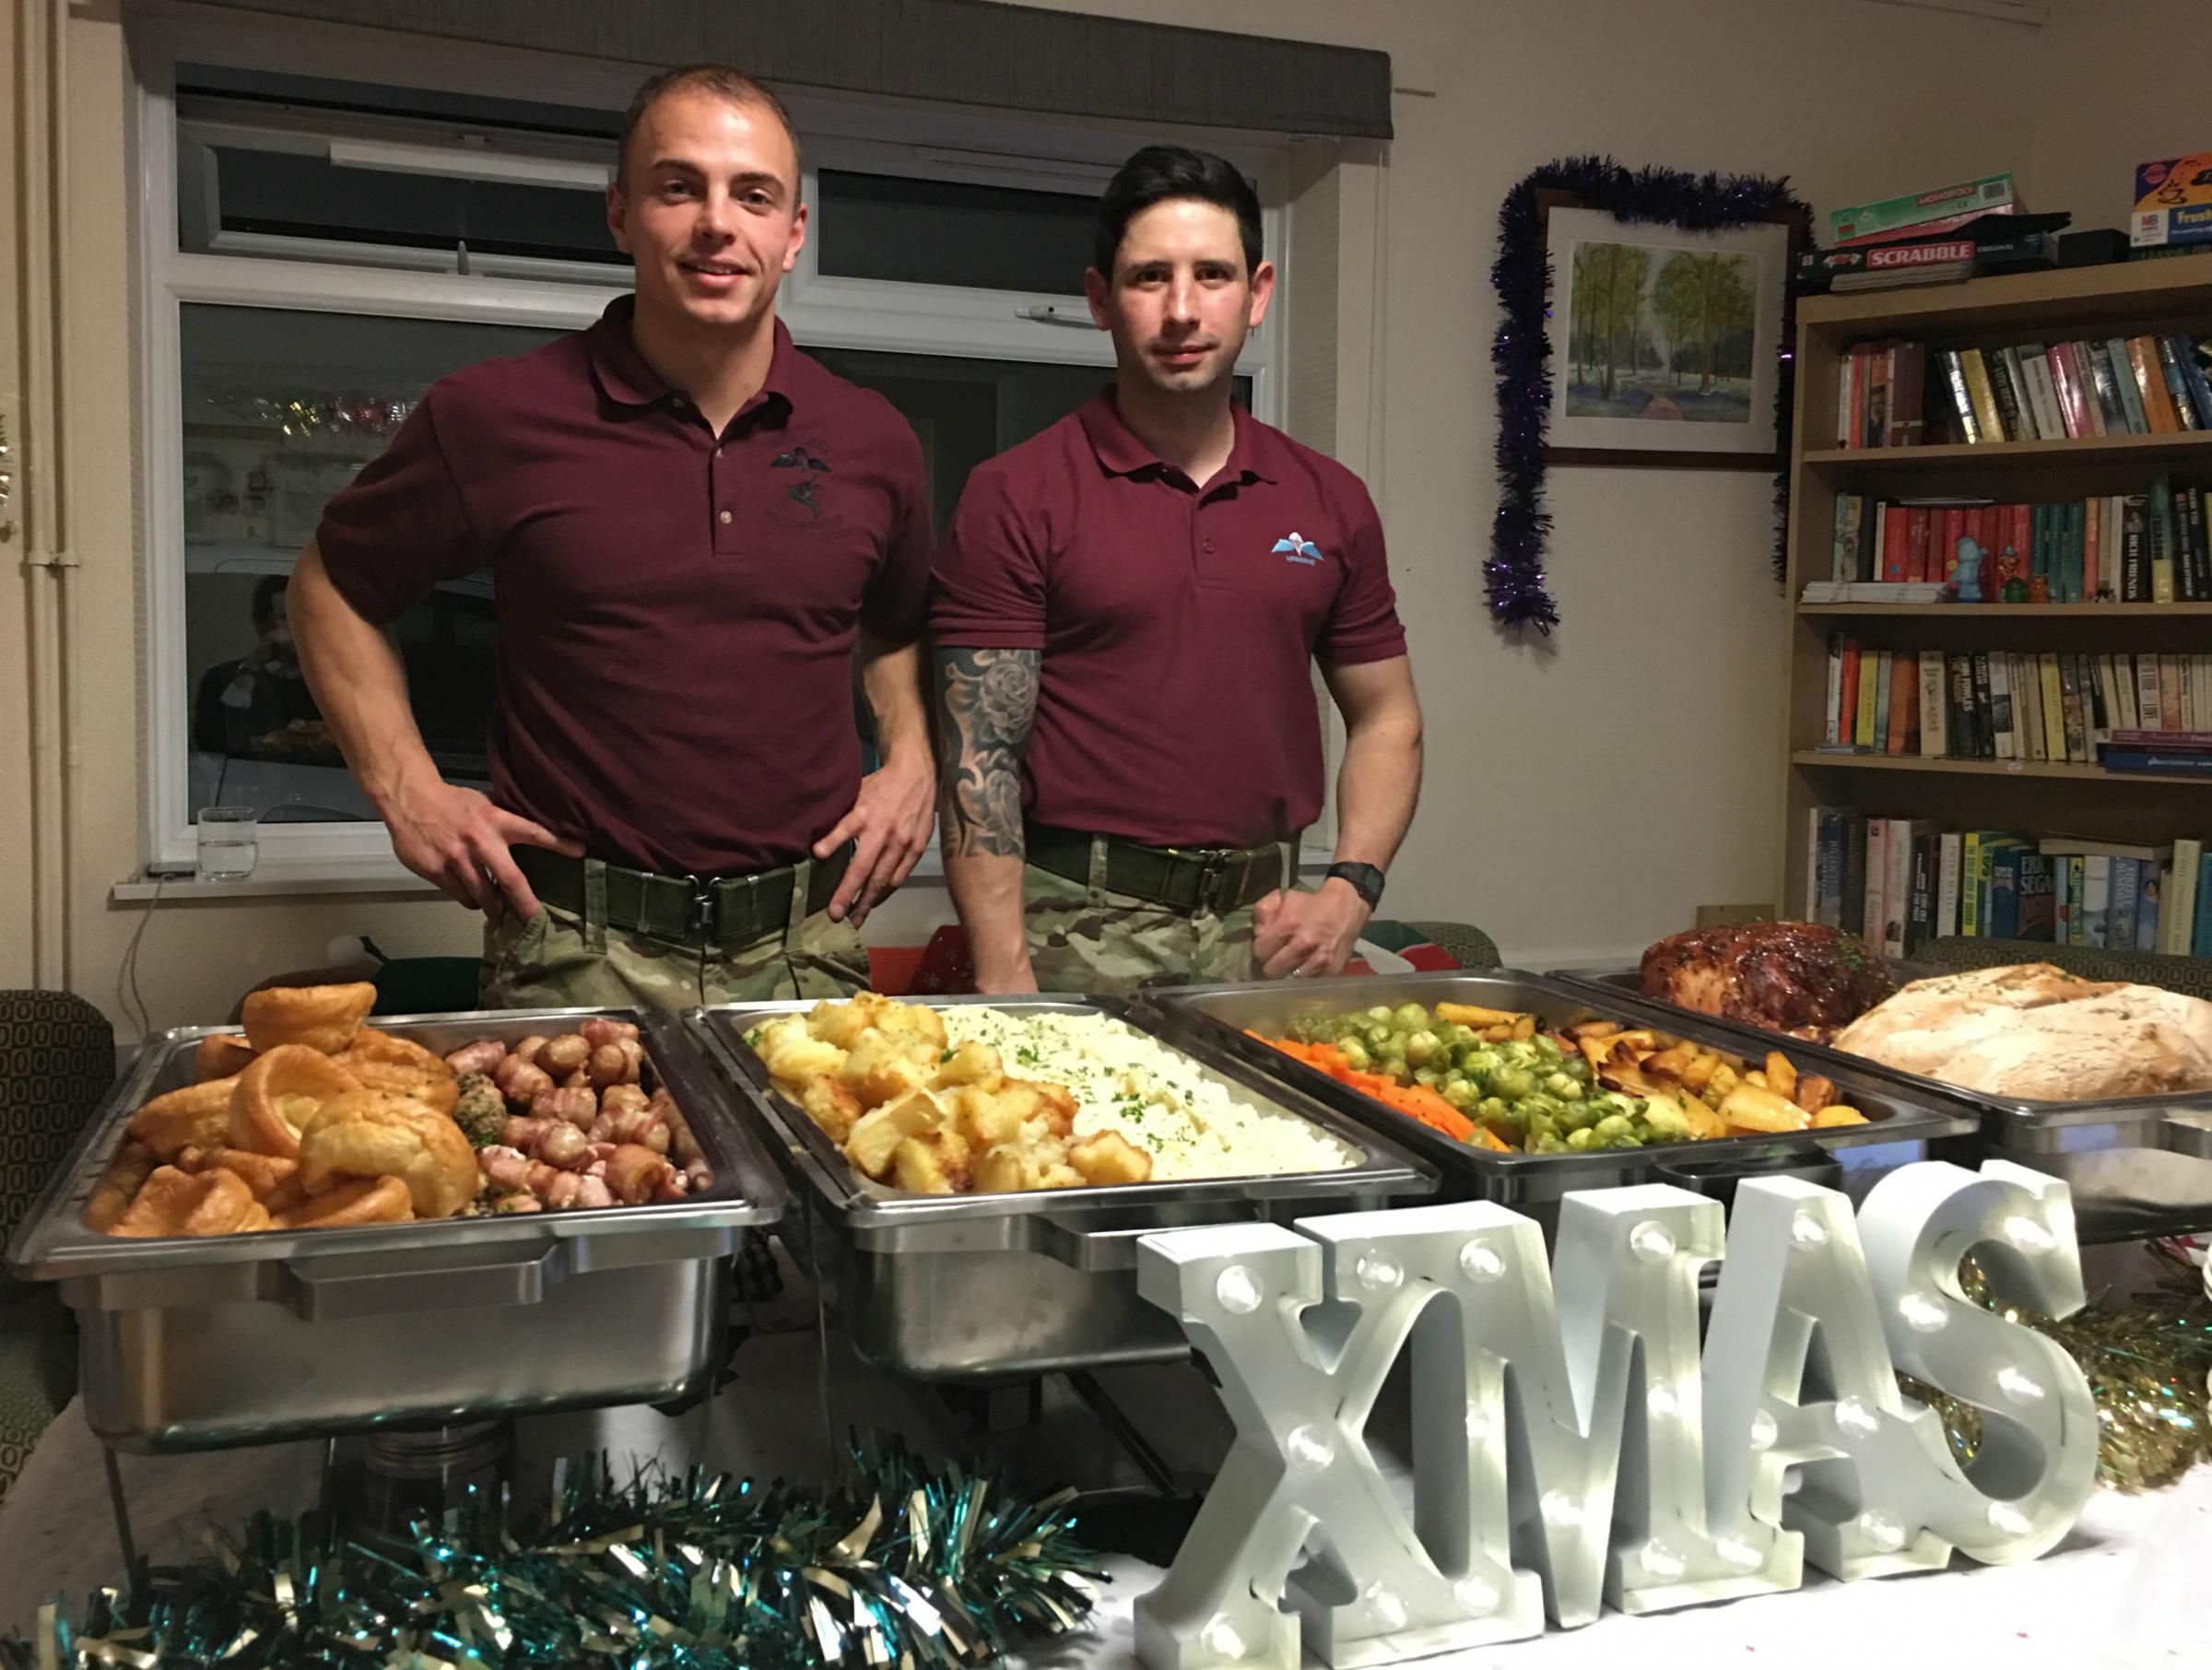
[(1296, 547), (804, 490)]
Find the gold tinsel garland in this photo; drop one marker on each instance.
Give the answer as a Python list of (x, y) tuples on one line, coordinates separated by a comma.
[(2145, 1362)]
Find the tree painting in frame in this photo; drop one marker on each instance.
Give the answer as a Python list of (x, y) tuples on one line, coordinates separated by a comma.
[(1663, 340)]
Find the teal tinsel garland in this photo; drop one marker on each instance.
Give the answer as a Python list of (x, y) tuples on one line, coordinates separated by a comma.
[(701, 1572)]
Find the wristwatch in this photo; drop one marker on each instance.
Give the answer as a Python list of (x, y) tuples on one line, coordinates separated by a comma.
[(1367, 880)]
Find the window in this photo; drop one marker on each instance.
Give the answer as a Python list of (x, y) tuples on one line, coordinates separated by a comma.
[(326, 233)]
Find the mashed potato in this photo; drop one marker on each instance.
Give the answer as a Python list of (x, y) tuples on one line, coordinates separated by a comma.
[(1193, 1123)]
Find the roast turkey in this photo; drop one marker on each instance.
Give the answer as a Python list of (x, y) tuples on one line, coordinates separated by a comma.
[(1794, 977), (2033, 1031)]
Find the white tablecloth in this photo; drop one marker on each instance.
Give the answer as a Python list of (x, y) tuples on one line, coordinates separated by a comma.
[(2120, 1592)]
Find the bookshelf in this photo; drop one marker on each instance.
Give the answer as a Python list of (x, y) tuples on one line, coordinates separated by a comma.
[(2045, 796)]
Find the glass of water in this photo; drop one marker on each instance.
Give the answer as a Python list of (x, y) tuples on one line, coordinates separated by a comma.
[(226, 847)]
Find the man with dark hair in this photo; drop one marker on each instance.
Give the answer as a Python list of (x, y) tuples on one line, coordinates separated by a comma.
[(259, 706), (693, 528), (1126, 618)]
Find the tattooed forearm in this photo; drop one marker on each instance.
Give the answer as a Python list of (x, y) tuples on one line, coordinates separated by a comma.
[(986, 699)]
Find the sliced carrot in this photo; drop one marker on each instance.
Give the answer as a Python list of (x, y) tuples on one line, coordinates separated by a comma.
[(1415, 1101)]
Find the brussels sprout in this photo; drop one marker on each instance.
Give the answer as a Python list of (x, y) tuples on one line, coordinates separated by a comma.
[(1457, 1036), (1380, 1012), (1664, 1122), (1376, 1034), (1547, 1046), (1462, 1095), (1393, 1066), (1423, 1047), (1513, 1083), (1495, 1110), (1546, 1143), (1410, 1017), (1354, 1055), (1612, 1126), (1578, 1116), (1576, 1068), (1481, 1063), (1625, 1142), (1563, 1086), (1582, 1141)]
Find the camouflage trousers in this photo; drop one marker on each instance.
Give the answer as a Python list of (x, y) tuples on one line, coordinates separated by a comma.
[(557, 959), (1090, 939)]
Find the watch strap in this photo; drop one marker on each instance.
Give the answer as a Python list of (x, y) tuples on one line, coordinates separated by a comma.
[(1365, 879)]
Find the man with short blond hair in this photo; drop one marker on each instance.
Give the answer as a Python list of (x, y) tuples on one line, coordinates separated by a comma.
[(693, 528)]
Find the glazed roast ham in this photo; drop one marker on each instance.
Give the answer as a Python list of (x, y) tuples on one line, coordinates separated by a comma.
[(1794, 977)]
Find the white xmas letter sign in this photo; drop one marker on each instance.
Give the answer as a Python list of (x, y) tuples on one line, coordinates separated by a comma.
[(1570, 1445)]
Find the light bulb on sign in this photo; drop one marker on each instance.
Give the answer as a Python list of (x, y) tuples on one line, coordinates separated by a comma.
[(1923, 1312), (1221, 1639), (2005, 1517), (1481, 1261), (1238, 1293), (1660, 1562), (1378, 1272), (1308, 1448), (1854, 1416), (1390, 1611), (1807, 1231), (1882, 1531), (1740, 1555), (1476, 1595), (1764, 1431), (1661, 1401), (1651, 1242)]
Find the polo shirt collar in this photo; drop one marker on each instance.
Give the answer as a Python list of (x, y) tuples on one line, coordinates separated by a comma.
[(624, 378), (1120, 453)]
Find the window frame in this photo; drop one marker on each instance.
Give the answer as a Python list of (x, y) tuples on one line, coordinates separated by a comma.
[(830, 313)]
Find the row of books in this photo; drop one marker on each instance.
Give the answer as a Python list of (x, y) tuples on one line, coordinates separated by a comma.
[(2125, 547), (1897, 883), (2003, 704), (2134, 385)]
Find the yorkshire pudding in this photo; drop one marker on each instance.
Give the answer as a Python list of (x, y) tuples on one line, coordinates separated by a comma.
[(196, 1116), (381, 1062), (321, 1017), (376, 1133), (368, 1200), (276, 1097), (220, 1057), (175, 1202)]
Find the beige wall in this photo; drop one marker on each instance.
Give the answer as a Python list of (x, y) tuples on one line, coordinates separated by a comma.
[(1584, 794), (2122, 104)]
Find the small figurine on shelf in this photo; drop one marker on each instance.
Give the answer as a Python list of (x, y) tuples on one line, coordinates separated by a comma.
[(2017, 591), (1967, 573), (2039, 590), (2006, 565)]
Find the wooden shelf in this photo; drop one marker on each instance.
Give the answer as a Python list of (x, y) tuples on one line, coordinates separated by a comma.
[(2066, 768), (2191, 446), (2013, 611), (2173, 284)]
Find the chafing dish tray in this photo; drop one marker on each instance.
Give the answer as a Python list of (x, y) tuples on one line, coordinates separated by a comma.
[(197, 1343), (1900, 1128), (2137, 1165), (984, 1287)]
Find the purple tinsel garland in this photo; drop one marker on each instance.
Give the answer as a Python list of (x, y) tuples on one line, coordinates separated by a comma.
[(1513, 575)]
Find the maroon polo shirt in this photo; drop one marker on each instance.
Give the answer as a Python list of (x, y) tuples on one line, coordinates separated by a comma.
[(676, 609), (1178, 624)]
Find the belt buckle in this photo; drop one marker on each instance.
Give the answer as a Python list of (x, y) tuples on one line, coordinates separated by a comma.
[(701, 925), (1212, 873)]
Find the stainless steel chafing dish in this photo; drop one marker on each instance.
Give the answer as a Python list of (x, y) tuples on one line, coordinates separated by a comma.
[(1901, 1126), (190, 1343), (984, 1286), (2137, 1166)]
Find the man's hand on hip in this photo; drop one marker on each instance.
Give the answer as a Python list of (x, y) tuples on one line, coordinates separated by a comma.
[(890, 825), (458, 840), (1307, 935)]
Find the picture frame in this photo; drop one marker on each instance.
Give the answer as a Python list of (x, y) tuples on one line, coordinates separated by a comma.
[(1664, 341)]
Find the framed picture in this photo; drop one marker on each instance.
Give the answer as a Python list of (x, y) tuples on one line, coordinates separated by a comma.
[(1663, 341)]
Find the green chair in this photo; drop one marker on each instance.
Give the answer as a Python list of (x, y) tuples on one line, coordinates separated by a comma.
[(57, 1059), (2191, 975)]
